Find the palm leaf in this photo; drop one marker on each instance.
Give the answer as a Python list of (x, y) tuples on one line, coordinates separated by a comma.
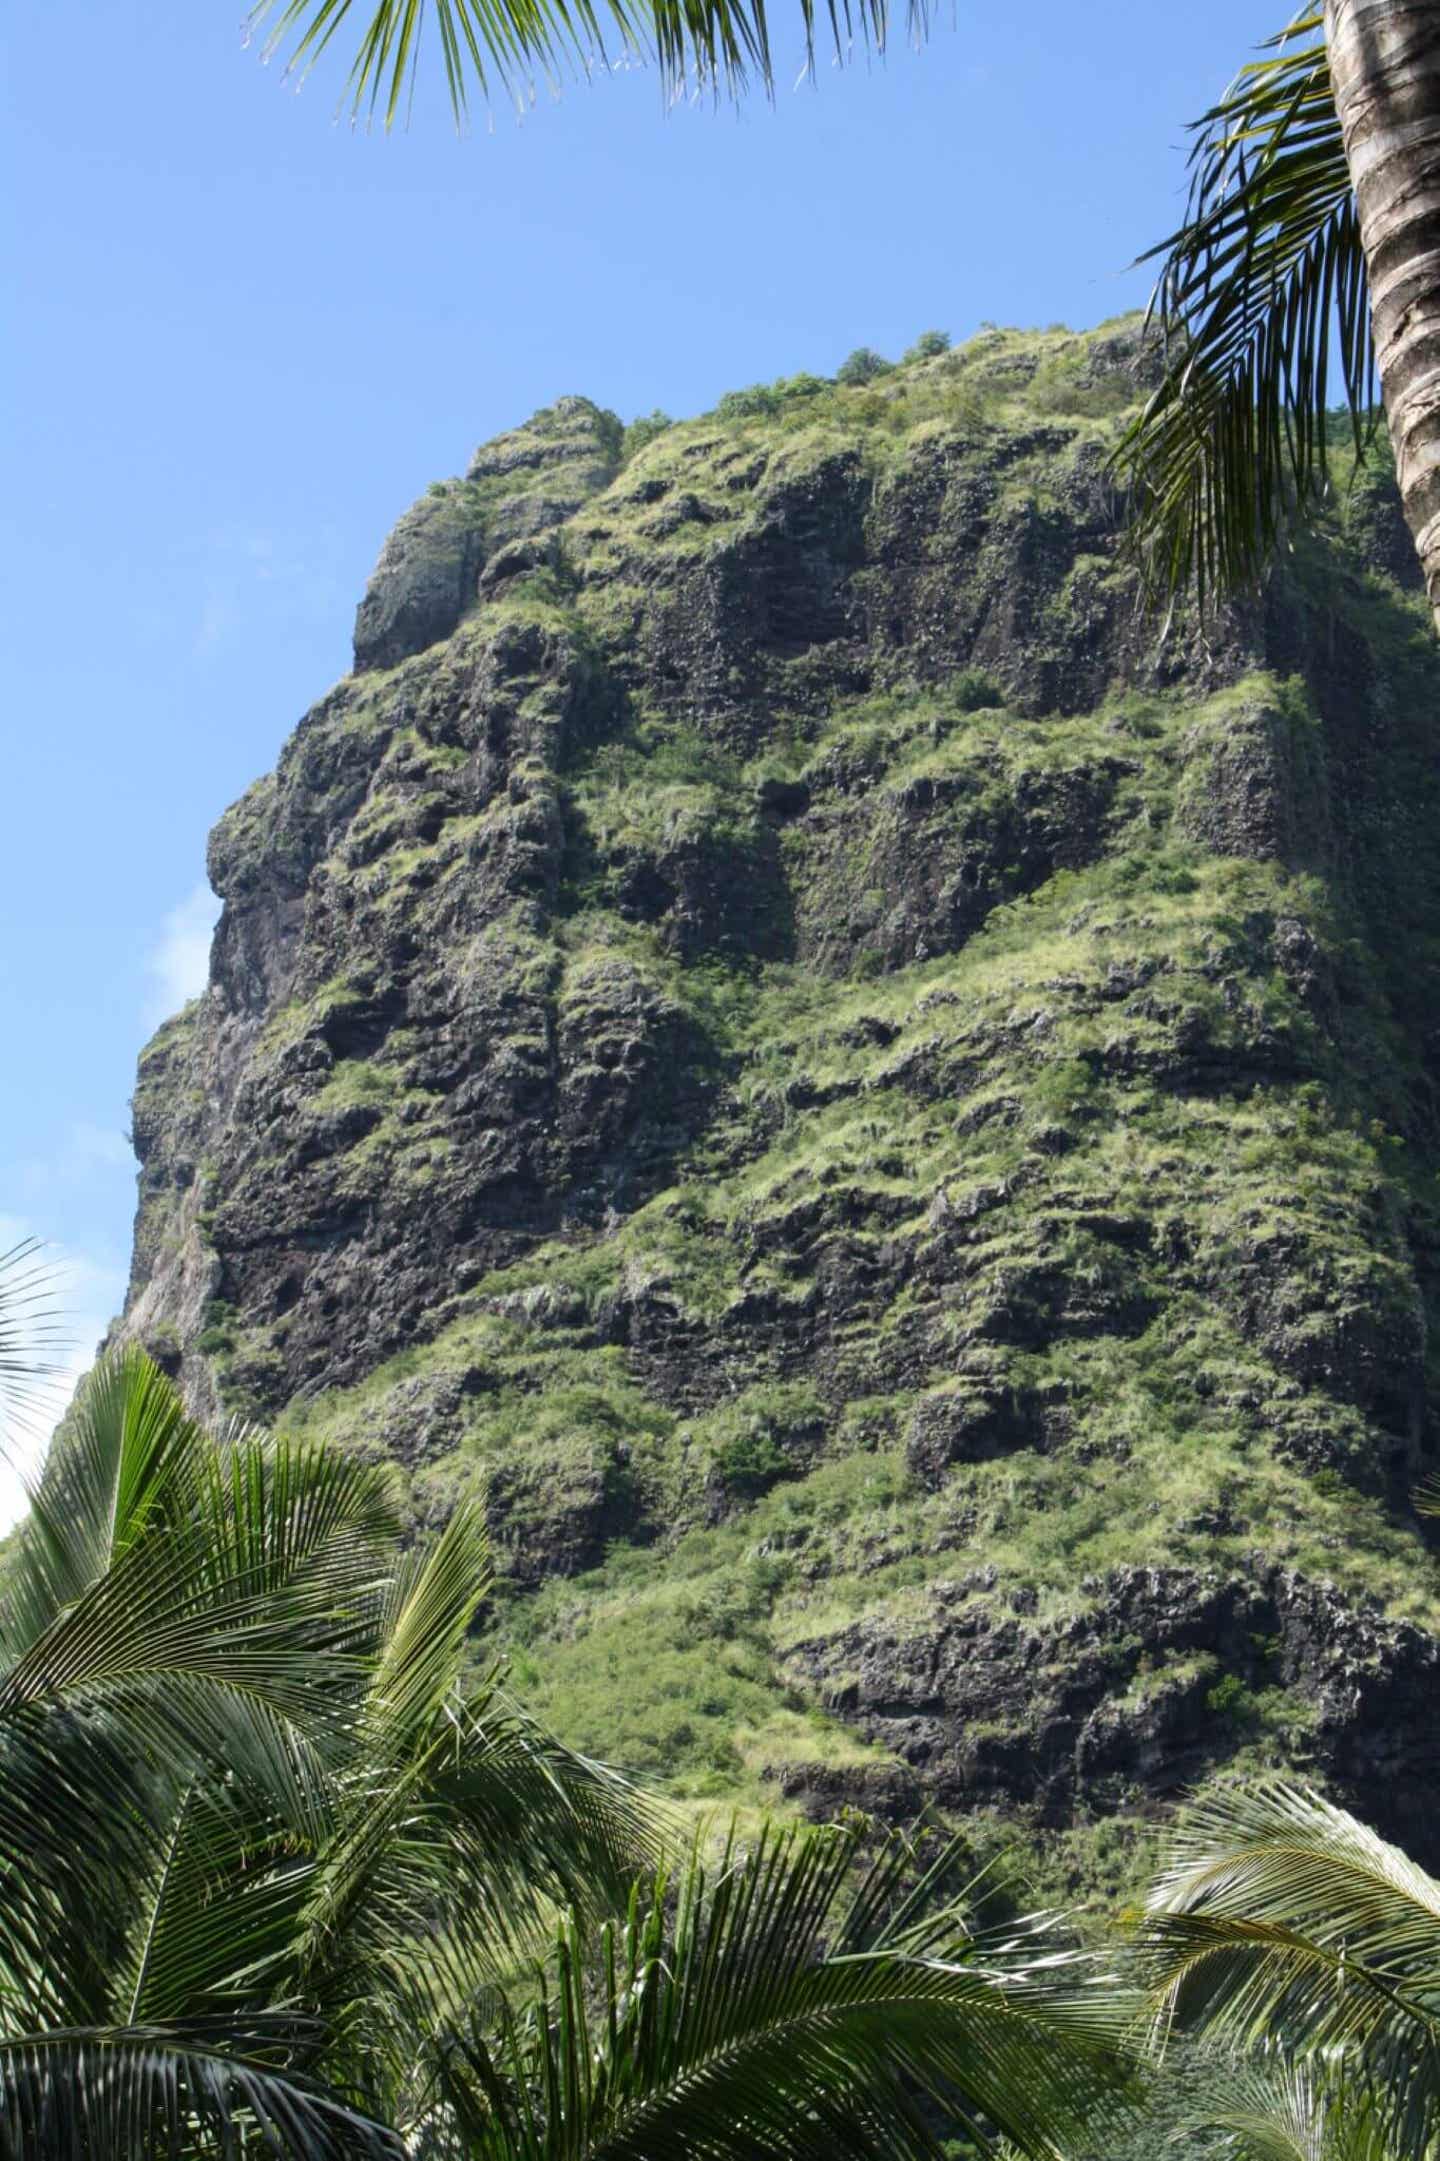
[(170, 1638), (30, 1331), (196, 1617), (132, 1689), (1276, 2111), (74, 1828), (431, 1606), (176, 2093), (459, 1828), (114, 1456), (735, 2032), (562, 1823), (241, 1767), (1263, 302), (1282, 1917), (699, 43)]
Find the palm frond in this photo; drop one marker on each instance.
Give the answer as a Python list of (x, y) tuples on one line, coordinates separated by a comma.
[(198, 1615), (31, 1333), (735, 2032), (552, 1822), (119, 1449), (432, 1603), (1278, 2111), (1262, 300), (74, 1829), (163, 1636), (1282, 1918), (181, 2092), (701, 44), (210, 1921), (460, 1829)]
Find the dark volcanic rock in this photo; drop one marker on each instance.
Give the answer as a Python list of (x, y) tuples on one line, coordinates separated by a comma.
[(1139, 1691), (474, 531)]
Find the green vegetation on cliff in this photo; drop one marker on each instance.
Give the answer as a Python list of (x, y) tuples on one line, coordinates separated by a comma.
[(879, 1110)]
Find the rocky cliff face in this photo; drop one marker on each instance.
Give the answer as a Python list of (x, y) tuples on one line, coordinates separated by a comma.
[(882, 1105)]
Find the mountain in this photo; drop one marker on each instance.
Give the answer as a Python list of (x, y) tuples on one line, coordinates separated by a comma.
[(881, 1098)]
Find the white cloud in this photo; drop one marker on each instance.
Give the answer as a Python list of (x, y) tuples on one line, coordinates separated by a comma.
[(87, 1293), (179, 966)]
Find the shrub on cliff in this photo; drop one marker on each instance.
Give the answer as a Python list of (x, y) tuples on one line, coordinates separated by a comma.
[(862, 366), (929, 345), (761, 401), (642, 430)]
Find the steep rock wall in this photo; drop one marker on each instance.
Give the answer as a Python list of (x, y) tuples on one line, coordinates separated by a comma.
[(882, 1105)]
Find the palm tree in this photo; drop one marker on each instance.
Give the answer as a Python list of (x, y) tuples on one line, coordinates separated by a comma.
[(257, 1833), (1283, 1926), (30, 1333)]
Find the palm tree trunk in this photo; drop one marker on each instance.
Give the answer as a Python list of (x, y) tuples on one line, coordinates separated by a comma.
[(1385, 64)]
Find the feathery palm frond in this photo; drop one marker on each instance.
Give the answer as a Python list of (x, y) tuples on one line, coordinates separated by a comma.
[(757, 2023), (120, 1445), (31, 1335), (1276, 2111), (459, 1828), (1261, 288), (182, 2092), (164, 1621), (1282, 1919), (185, 1626), (699, 43), (241, 1767)]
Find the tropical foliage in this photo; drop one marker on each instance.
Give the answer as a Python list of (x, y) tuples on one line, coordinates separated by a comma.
[(787, 2000), (862, 366), (929, 345), (259, 1833), (1278, 2111), (1262, 302), (1288, 1935), (279, 1874), (31, 1333), (694, 43)]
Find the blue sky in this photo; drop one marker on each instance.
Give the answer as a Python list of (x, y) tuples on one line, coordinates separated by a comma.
[(240, 338)]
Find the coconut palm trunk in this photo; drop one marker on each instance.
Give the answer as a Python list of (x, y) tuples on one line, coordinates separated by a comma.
[(1385, 68)]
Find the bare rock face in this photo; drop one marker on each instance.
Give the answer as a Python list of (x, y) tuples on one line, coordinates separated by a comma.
[(1137, 1691), (881, 1107), (517, 489)]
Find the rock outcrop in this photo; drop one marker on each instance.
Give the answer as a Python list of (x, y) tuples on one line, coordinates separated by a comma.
[(882, 1105)]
